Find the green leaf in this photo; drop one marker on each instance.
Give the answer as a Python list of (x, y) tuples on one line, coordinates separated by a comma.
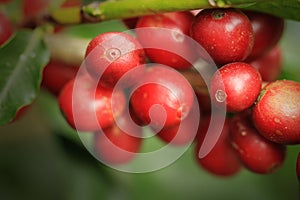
[(21, 64), (288, 9)]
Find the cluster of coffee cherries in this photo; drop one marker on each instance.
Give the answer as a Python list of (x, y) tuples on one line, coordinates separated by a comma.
[(146, 78)]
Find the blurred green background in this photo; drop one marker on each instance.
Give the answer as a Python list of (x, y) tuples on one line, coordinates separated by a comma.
[(42, 158)]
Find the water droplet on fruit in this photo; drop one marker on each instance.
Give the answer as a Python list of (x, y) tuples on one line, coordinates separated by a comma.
[(112, 54), (220, 96), (243, 133), (276, 120)]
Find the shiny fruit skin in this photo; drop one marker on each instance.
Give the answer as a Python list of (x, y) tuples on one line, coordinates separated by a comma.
[(114, 146), (87, 107), (257, 154), (222, 160), (183, 133), (276, 114), (56, 75), (166, 42), (165, 89), (109, 56), (267, 30), (269, 65), (236, 86), (226, 34)]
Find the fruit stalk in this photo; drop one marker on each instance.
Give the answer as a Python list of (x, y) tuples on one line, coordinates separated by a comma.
[(130, 8), (122, 9)]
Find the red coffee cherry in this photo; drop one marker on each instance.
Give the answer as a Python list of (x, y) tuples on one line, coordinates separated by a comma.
[(235, 85), (269, 65), (222, 159), (56, 75), (20, 113), (115, 146), (109, 56), (87, 107), (276, 114), (257, 154), (34, 8), (267, 29), (6, 29), (135, 118), (164, 94), (183, 133), (226, 34), (166, 42)]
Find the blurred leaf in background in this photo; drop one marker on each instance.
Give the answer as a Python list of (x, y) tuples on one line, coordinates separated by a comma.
[(21, 66)]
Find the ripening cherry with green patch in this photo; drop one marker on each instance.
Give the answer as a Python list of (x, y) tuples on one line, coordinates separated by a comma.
[(276, 114)]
